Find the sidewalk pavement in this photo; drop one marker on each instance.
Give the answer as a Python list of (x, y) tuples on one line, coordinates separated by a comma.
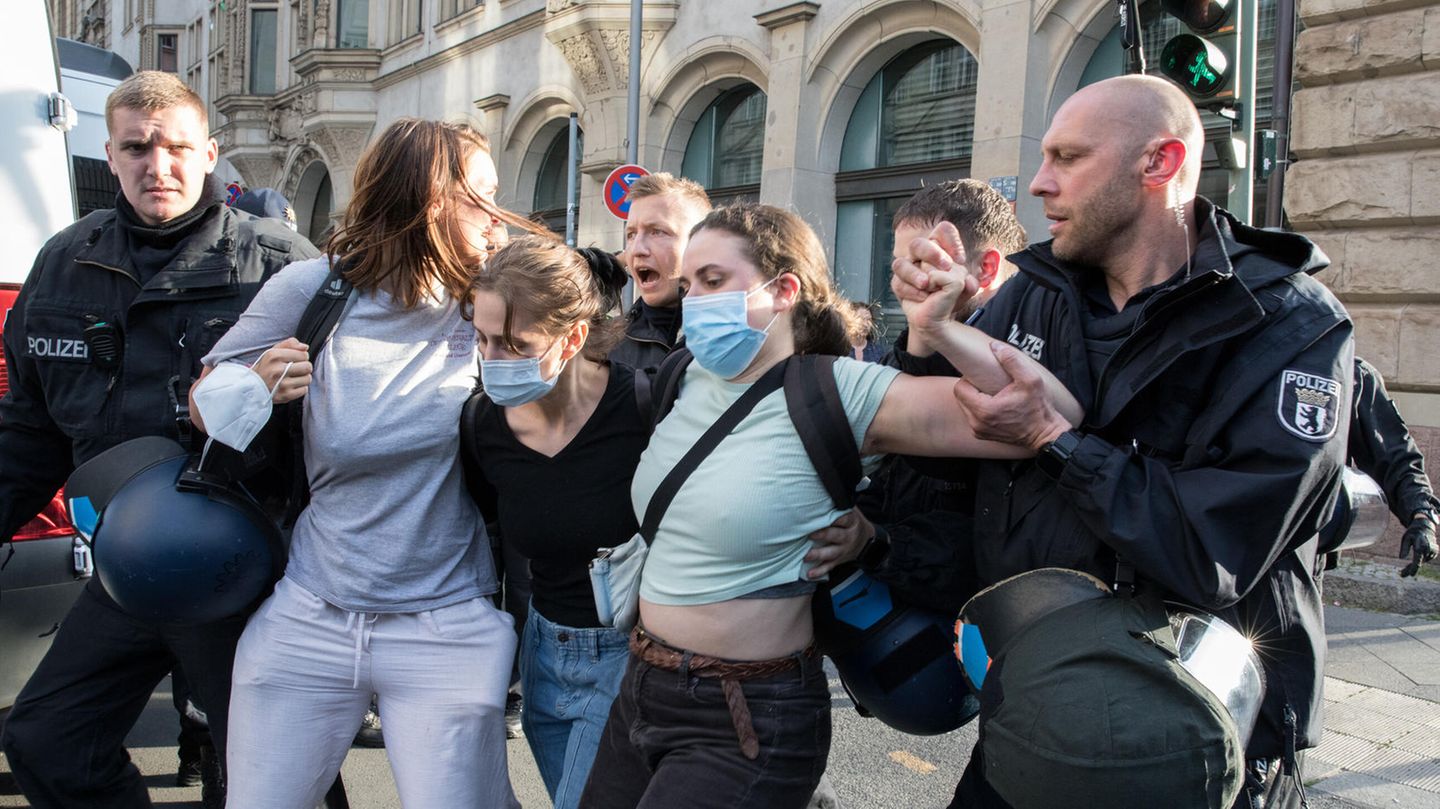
[(1381, 747)]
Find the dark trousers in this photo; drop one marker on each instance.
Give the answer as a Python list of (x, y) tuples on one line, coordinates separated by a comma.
[(1266, 787), (670, 741), (65, 736), (194, 734)]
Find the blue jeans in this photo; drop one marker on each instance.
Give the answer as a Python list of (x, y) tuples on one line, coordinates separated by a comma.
[(569, 678)]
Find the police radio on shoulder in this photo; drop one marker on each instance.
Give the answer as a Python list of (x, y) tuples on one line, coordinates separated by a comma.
[(1053, 457)]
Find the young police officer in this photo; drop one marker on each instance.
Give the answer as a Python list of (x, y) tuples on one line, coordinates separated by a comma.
[(147, 289), (1215, 376), (663, 209)]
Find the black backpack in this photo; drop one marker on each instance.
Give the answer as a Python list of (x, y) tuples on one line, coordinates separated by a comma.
[(317, 323)]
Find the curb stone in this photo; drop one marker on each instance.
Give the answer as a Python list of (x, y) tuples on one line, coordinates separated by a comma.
[(1377, 586)]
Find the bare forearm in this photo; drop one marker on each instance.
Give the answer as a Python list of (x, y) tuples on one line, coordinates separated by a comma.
[(968, 349)]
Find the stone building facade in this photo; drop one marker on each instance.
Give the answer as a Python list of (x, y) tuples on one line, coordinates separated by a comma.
[(835, 108), (1366, 184)]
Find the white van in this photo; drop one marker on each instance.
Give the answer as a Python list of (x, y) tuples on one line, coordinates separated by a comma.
[(87, 76), (37, 199)]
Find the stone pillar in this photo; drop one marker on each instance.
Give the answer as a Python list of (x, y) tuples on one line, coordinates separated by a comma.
[(492, 111), (1010, 103), (791, 176), (1366, 135)]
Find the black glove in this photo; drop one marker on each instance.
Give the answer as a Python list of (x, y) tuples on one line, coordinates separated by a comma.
[(1419, 544)]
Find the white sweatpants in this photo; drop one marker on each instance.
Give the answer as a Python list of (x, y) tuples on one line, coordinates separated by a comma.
[(304, 672)]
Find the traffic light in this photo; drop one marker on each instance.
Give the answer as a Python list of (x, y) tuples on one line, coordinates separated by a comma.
[(1205, 61), (1214, 63)]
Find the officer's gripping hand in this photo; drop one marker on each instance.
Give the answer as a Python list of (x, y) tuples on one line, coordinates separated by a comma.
[(293, 380), (1419, 544), (840, 542), (1023, 413)]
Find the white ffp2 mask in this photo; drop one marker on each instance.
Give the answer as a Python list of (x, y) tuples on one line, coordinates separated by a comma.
[(235, 403)]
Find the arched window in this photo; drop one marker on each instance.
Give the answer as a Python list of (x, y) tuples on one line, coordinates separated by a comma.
[(314, 202), (913, 125), (550, 196), (1109, 60), (725, 149)]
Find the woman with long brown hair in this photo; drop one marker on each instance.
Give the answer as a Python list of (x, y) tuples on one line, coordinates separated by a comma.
[(387, 586), (724, 702)]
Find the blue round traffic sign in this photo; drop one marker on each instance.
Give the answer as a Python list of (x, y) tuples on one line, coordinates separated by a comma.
[(617, 187)]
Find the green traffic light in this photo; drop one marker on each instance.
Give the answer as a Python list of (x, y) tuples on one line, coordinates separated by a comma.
[(1196, 64)]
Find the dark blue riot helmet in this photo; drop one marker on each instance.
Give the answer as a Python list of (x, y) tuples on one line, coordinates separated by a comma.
[(896, 660), (173, 544)]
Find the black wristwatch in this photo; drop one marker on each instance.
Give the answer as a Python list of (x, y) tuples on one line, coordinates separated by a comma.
[(875, 550), (1054, 455)]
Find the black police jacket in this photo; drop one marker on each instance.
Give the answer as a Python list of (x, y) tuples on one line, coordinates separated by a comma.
[(1214, 441), (66, 402), (1381, 446), (649, 337)]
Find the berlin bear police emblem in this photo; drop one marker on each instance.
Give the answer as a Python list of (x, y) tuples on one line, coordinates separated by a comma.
[(1309, 404)]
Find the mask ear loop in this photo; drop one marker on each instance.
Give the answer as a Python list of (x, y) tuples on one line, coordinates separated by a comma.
[(205, 450)]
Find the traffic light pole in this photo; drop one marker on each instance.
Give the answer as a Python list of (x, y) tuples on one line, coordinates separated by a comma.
[(1242, 174)]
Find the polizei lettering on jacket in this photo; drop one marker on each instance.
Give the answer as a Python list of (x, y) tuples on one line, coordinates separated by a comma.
[(58, 348), (1028, 343), (1309, 404)]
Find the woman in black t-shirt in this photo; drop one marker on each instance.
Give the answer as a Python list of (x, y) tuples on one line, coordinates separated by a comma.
[(554, 441)]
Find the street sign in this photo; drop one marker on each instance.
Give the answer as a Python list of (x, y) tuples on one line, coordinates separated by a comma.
[(232, 193), (617, 186)]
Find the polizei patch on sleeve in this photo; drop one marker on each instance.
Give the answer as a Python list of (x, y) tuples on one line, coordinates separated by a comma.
[(1309, 404)]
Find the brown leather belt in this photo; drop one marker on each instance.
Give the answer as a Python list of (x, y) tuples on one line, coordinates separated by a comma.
[(662, 656)]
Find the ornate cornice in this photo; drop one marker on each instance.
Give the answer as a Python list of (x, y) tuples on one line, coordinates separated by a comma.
[(594, 38)]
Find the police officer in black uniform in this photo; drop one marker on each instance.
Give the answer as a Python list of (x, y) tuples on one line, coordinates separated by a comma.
[(1381, 447), (103, 344), (1215, 375)]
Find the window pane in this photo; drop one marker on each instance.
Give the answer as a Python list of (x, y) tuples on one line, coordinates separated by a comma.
[(700, 149), (554, 168), (861, 149), (882, 248), (741, 141), (169, 52), (727, 146), (262, 51), (929, 107), (353, 24), (854, 234)]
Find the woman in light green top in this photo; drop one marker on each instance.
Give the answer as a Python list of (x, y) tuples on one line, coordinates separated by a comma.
[(724, 702)]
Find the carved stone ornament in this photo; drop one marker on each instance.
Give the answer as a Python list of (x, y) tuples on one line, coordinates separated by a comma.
[(594, 38), (584, 58), (343, 143)]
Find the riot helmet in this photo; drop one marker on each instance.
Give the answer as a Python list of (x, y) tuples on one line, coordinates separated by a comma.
[(894, 659), (173, 544)]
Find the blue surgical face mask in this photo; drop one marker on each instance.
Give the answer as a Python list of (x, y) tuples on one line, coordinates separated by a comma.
[(511, 383), (718, 331)]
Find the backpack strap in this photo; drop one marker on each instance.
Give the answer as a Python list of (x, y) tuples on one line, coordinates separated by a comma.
[(813, 399), (317, 323), (322, 314), (665, 386), (470, 415), (704, 445)]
